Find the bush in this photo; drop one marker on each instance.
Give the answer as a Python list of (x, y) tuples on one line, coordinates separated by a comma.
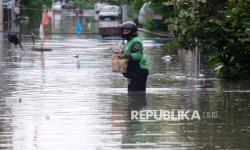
[(216, 26)]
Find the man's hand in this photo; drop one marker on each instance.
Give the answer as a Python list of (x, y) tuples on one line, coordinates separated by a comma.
[(119, 50)]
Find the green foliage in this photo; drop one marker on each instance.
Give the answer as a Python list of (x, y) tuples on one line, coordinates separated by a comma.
[(154, 25), (137, 4), (36, 4), (233, 50), (157, 8), (187, 22), (172, 45), (32, 9), (116, 2), (217, 26), (86, 4), (134, 9)]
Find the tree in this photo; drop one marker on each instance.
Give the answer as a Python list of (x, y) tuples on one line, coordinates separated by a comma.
[(219, 27), (35, 4), (87, 4)]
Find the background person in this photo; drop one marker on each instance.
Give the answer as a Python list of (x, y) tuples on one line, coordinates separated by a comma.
[(15, 38)]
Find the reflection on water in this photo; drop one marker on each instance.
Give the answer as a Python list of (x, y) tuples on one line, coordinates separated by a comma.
[(53, 100), (65, 22)]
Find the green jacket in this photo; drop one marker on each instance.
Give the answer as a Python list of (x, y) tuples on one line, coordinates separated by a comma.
[(135, 51)]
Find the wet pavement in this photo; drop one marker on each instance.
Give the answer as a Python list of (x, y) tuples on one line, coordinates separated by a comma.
[(53, 100)]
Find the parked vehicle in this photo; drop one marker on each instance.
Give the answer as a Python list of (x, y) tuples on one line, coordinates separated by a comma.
[(144, 12), (69, 5), (147, 13), (110, 12), (109, 28), (110, 17), (98, 7), (57, 6)]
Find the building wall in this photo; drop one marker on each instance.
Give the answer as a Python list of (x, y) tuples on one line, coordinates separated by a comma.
[(9, 13), (1, 16), (1, 29)]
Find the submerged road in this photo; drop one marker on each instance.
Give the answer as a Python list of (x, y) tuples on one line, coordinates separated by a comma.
[(53, 100)]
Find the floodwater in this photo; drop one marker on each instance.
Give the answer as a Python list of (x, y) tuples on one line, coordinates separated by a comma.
[(53, 100)]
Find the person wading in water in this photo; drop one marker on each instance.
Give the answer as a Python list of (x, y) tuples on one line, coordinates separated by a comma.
[(137, 70)]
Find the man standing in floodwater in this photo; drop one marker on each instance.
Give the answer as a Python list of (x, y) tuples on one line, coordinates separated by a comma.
[(137, 70)]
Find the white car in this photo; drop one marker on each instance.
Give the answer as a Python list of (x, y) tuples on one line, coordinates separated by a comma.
[(110, 12), (98, 7), (57, 6)]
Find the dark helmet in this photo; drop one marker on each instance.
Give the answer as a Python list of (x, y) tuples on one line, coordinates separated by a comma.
[(131, 27)]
